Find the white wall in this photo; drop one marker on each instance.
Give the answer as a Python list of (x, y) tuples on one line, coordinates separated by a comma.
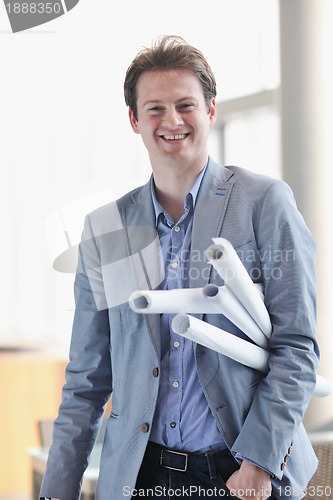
[(64, 130)]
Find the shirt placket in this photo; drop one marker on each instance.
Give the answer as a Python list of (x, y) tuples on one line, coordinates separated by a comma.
[(175, 279)]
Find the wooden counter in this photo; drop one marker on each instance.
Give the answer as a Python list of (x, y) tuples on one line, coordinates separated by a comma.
[(31, 380)]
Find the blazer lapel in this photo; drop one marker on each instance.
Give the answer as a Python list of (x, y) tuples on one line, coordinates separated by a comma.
[(143, 243), (209, 213)]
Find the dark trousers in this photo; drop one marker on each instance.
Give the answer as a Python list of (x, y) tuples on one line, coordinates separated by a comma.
[(196, 477)]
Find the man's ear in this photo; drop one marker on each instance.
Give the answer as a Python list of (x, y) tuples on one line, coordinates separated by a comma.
[(133, 121), (212, 112)]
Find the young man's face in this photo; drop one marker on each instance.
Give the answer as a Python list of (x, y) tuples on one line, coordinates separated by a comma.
[(172, 116)]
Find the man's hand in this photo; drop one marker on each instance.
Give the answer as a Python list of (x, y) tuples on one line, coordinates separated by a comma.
[(250, 482)]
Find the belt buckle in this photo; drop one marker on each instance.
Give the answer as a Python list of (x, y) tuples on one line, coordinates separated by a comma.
[(185, 455)]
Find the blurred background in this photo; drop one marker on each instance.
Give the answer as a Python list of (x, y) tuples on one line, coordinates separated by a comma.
[(65, 135)]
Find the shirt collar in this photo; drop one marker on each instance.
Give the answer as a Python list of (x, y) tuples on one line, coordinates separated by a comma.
[(193, 192)]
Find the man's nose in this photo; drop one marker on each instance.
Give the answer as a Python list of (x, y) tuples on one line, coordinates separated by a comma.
[(173, 118)]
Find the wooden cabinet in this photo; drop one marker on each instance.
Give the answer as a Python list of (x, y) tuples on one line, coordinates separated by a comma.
[(30, 390)]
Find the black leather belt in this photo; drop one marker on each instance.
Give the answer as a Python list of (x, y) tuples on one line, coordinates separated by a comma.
[(184, 461)]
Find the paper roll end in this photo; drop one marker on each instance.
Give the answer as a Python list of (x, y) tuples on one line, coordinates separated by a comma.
[(214, 252), (180, 323), (323, 387), (138, 302), (210, 291)]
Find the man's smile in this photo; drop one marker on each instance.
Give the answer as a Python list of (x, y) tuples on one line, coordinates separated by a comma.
[(176, 137)]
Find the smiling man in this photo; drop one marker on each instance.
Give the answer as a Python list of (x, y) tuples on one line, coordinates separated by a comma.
[(187, 421), (173, 119)]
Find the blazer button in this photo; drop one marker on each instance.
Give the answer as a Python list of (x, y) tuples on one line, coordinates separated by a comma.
[(145, 427), (155, 372), (283, 466)]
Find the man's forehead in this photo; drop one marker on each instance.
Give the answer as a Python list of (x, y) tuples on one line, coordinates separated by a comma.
[(154, 85)]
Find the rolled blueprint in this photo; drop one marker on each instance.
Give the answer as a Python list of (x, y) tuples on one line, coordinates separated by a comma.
[(189, 300), (228, 344), (227, 303), (223, 342), (210, 299), (323, 387), (240, 300), (225, 260)]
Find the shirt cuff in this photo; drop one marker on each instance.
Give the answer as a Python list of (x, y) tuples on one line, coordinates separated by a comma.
[(240, 457)]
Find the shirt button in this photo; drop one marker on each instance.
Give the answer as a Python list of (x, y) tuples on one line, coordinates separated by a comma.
[(176, 343), (173, 425), (174, 264), (177, 229), (145, 427), (155, 372), (175, 383)]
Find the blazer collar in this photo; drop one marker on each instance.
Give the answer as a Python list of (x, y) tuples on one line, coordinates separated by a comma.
[(211, 207), (139, 216)]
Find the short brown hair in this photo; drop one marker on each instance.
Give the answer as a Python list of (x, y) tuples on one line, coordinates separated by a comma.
[(169, 52)]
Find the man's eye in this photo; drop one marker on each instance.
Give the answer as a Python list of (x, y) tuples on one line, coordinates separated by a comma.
[(155, 109), (186, 107)]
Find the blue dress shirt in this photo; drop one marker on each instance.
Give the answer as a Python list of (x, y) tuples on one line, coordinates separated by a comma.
[(183, 419)]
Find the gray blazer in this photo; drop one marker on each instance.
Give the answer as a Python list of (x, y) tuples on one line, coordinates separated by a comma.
[(114, 350)]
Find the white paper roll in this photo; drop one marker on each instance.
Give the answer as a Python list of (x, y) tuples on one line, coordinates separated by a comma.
[(238, 349), (225, 260), (240, 300), (227, 303), (180, 300), (210, 299), (214, 338), (323, 387)]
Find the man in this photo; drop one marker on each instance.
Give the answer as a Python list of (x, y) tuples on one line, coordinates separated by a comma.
[(186, 420)]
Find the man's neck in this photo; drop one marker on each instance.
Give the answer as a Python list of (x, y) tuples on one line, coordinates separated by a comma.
[(171, 202), (171, 188)]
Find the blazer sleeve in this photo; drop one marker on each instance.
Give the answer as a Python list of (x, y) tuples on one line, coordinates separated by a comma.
[(287, 254), (88, 381)]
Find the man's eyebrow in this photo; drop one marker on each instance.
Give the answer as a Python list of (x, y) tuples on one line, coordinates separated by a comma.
[(154, 101)]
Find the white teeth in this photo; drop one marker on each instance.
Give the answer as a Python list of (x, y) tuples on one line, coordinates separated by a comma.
[(174, 137)]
